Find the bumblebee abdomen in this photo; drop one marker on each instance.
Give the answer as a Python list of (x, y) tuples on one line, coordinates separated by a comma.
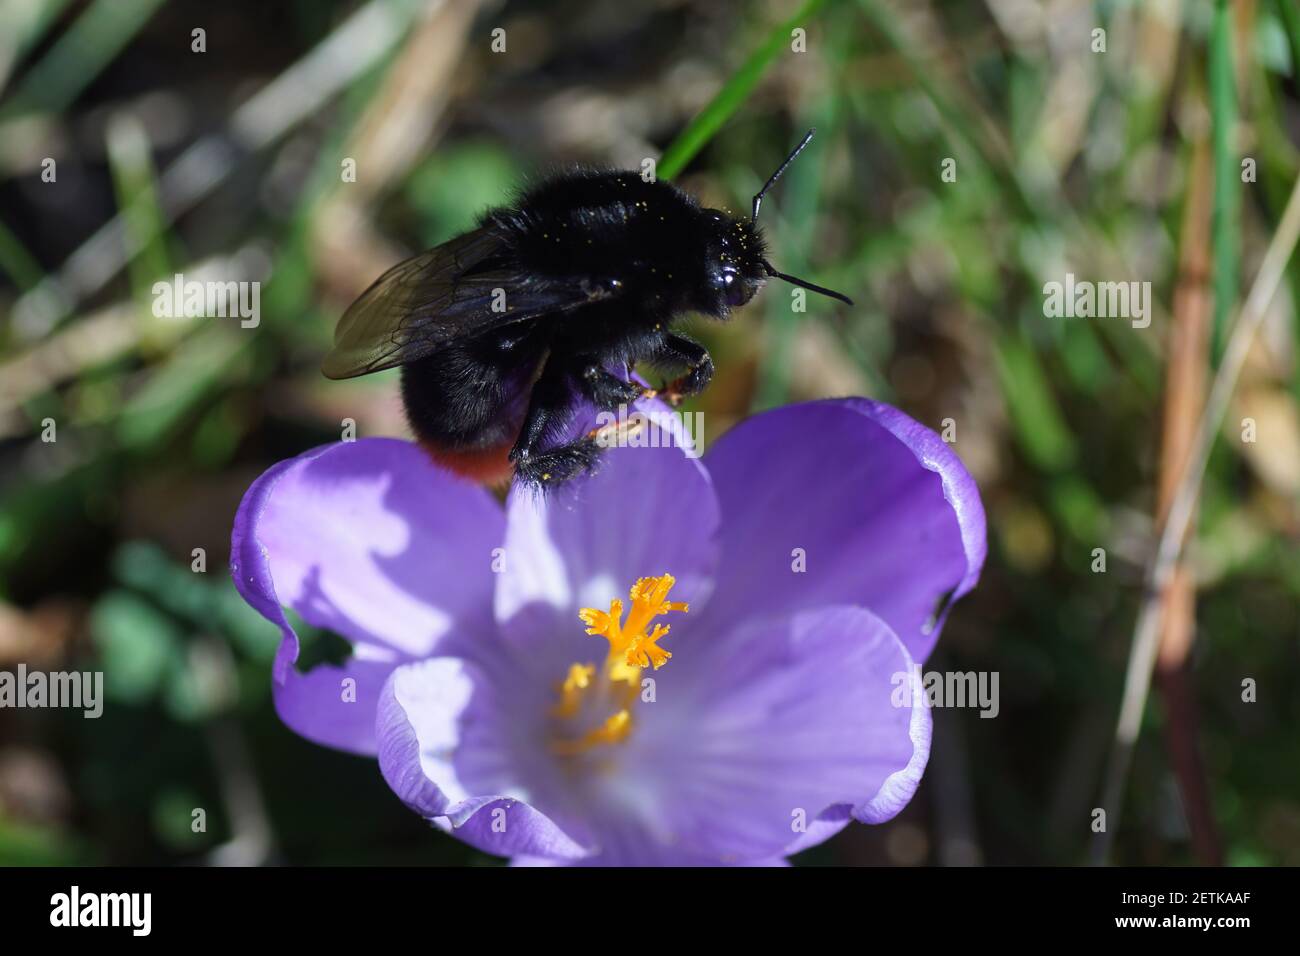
[(472, 395), (488, 466)]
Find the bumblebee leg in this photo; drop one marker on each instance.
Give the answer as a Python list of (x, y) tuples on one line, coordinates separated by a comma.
[(557, 465), (548, 410), (606, 390), (679, 350)]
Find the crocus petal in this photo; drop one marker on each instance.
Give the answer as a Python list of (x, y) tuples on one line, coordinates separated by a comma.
[(371, 540), (444, 733), (646, 511), (828, 823), (758, 738), (531, 861), (846, 501), (606, 861)]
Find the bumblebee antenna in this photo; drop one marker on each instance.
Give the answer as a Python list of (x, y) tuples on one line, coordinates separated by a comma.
[(758, 200), (795, 280)]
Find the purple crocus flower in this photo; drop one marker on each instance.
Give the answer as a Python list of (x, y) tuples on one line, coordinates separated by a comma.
[(514, 671)]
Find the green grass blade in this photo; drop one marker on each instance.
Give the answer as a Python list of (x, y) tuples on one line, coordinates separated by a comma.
[(78, 56), (135, 184), (1040, 426), (1290, 16), (1227, 178), (16, 262), (705, 126), (24, 25)]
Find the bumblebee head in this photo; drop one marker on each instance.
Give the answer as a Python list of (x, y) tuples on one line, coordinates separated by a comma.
[(735, 270), (740, 267)]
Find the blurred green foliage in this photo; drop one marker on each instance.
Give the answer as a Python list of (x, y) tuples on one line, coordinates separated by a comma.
[(1064, 159)]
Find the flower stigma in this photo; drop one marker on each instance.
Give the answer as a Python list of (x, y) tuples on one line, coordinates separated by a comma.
[(595, 704)]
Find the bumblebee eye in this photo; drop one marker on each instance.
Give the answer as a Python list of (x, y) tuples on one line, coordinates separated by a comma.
[(734, 291)]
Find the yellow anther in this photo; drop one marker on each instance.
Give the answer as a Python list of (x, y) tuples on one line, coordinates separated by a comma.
[(613, 730), (649, 601), (646, 652), (578, 680), (605, 623), (633, 646)]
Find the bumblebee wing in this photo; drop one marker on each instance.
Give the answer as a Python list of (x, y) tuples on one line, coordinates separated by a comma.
[(421, 304), (381, 328)]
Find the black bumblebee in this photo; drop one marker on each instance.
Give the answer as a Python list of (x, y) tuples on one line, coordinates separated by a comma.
[(500, 330)]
